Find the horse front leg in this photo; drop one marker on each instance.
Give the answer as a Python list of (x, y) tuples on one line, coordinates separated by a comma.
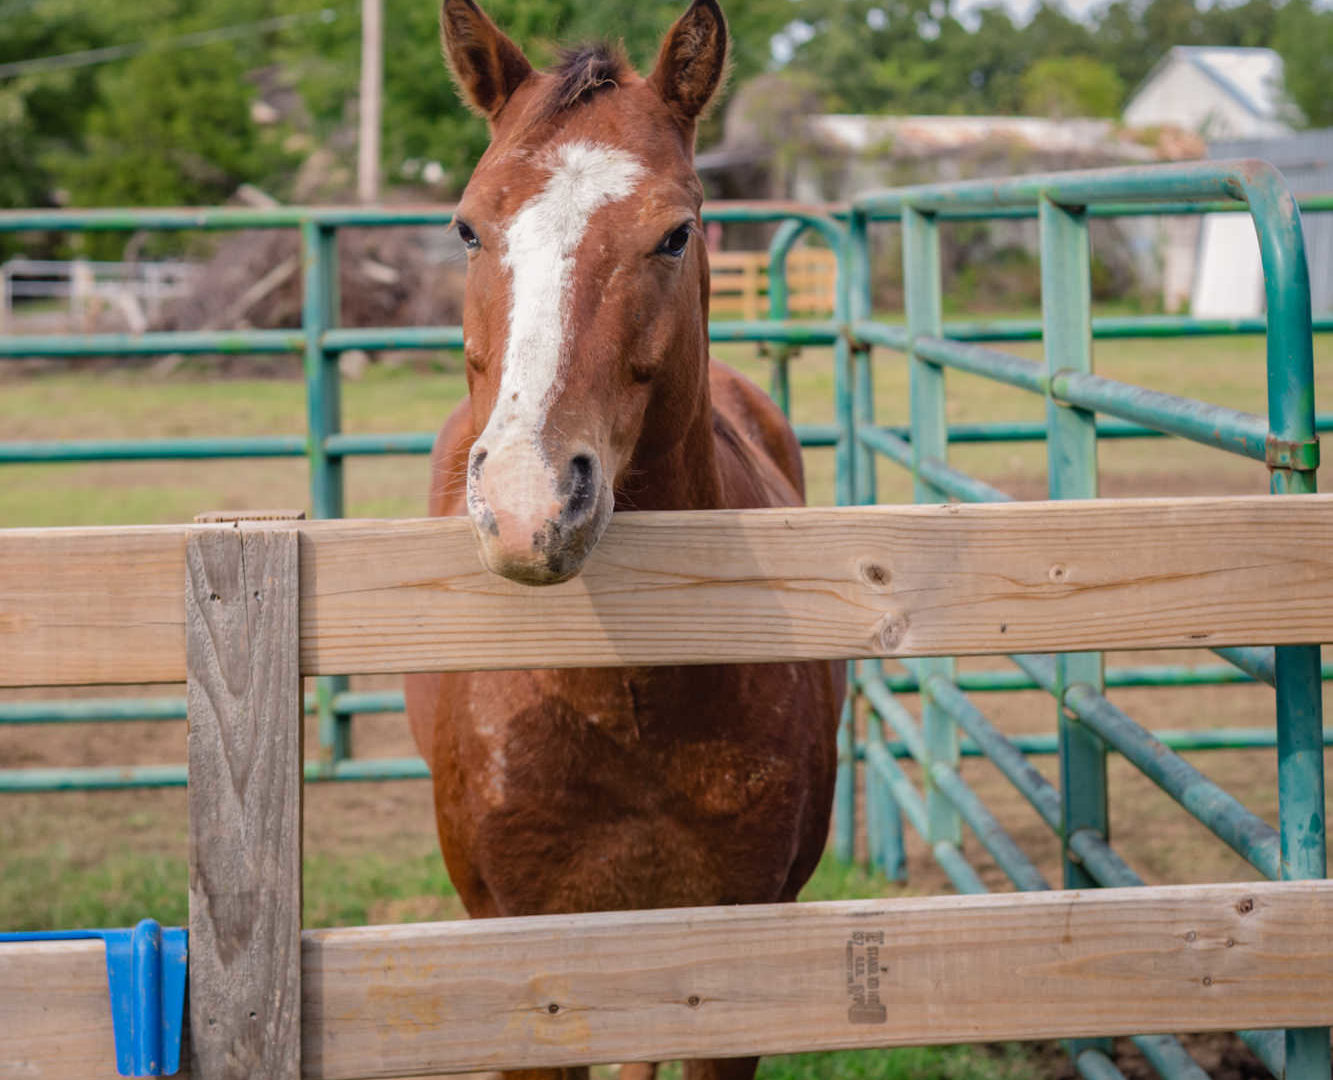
[(721, 1069), (573, 1072)]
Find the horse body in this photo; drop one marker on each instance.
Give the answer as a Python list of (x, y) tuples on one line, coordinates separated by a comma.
[(591, 391)]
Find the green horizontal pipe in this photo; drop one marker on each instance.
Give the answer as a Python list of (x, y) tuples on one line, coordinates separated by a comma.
[(1100, 860), (1008, 856), (1002, 751), (421, 442), (989, 363), (392, 337), (169, 219), (258, 446), (1094, 1064), (1307, 204), (110, 777), (407, 442), (1270, 1047), (952, 861), (157, 343), (334, 341), (1258, 662), (888, 709), (176, 218), (787, 331), (1169, 1057), (94, 710), (1123, 326), (1035, 430), (905, 795), (1031, 431), (947, 479), (1241, 829), (1213, 425), (1225, 182), (885, 334), (817, 434)]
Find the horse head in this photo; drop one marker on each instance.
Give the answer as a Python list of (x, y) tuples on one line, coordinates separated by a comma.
[(585, 311)]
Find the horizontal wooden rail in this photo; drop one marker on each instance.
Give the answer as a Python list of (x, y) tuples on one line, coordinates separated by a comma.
[(661, 985), (105, 605)]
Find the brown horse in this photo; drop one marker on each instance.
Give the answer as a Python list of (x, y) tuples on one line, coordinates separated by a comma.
[(591, 391)]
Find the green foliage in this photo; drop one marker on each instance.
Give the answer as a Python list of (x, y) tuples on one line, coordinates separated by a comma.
[(1065, 86), (172, 128), (1007, 1062), (1304, 37)]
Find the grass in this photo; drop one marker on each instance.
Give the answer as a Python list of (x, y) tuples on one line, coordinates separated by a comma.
[(136, 404)]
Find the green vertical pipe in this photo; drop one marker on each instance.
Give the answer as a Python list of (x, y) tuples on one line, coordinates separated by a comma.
[(1301, 824), (784, 239), (1291, 418), (1072, 470), (844, 838), (883, 818), (1071, 464), (930, 434), (859, 306), (324, 419)]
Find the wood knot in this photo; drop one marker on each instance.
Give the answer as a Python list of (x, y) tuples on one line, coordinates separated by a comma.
[(553, 1008), (1245, 905), (873, 575), (692, 1001), (1058, 573), (890, 632)]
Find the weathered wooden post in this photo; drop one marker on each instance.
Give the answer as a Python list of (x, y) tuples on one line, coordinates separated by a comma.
[(245, 759)]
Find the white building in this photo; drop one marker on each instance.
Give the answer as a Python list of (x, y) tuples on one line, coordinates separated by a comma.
[(1219, 93)]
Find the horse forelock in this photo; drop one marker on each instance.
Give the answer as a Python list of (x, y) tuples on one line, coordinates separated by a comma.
[(581, 73)]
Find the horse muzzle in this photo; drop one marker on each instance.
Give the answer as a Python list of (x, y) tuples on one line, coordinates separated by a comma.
[(536, 523)]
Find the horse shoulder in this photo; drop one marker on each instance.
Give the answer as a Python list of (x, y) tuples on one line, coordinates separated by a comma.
[(759, 456)]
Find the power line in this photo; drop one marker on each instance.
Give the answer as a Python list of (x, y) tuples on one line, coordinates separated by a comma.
[(88, 57)]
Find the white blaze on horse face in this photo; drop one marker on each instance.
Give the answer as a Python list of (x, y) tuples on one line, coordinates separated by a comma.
[(540, 244)]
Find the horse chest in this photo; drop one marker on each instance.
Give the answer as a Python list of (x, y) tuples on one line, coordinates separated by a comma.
[(621, 743)]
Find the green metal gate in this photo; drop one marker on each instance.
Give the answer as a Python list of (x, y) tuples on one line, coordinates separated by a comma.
[(1088, 724)]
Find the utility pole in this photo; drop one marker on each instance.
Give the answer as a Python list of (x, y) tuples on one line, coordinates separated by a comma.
[(372, 86)]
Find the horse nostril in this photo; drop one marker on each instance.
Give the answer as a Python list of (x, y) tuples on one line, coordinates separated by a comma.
[(582, 485), (474, 466)]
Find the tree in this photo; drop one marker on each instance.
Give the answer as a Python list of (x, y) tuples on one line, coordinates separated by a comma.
[(1065, 86), (173, 127), (1304, 37)]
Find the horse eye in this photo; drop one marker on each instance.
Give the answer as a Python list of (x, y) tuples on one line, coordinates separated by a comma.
[(674, 242), (468, 237)]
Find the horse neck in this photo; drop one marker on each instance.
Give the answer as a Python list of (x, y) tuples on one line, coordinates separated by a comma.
[(684, 475)]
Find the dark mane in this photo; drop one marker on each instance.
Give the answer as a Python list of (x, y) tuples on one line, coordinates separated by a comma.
[(584, 71)]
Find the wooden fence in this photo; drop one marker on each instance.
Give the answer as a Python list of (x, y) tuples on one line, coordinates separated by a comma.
[(267, 602), (738, 283)]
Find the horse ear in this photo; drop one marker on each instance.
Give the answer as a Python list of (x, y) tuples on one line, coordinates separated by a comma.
[(692, 60), (487, 66)]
